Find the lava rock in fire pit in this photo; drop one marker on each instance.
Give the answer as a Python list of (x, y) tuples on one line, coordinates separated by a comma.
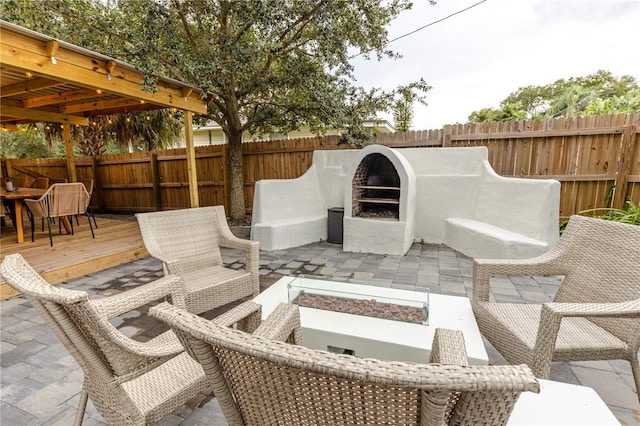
[(370, 308)]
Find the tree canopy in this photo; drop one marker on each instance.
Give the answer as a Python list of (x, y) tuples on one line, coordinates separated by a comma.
[(598, 93), (264, 66)]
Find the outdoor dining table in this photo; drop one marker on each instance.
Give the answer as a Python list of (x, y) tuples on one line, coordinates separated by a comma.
[(17, 197)]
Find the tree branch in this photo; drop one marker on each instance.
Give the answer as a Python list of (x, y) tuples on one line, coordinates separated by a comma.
[(187, 29), (170, 65), (286, 47), (306, 18)]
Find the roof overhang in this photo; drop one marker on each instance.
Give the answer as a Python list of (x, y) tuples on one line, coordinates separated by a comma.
[(44, 79)]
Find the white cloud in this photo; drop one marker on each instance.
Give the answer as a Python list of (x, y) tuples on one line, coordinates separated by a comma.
[(475, 59), (583, 10)]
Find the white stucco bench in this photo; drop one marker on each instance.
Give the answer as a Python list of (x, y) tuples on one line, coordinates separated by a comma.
[(290, 232), (483, 240), (509, 218), (288, 212)]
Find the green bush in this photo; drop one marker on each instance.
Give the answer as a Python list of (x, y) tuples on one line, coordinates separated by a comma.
[(630, 214)]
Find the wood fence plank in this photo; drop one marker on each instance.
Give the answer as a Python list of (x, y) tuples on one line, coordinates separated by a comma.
[(625, 166)]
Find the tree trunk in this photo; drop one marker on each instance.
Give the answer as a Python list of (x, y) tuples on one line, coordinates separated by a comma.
[(235, 177), (91, 139)]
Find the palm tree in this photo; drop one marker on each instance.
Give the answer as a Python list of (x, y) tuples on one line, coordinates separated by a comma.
[(147, 131), (571, 102), (91, 139), (140, 131)]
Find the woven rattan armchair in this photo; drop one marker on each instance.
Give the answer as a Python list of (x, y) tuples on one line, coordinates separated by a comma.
[(128, 381), (60, 200), (595, 314), (259, 381), (188, 242)]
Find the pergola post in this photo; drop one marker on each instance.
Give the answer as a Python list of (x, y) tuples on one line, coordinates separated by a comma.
[(191, 159), (68, 148)]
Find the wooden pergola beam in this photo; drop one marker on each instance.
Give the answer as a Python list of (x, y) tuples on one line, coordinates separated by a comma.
[(39, 115), (27, 86), (61, 98), (83, 70), (119, 110), (100, 105)]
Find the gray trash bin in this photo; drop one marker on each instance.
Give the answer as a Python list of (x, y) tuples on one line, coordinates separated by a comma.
[(334, 224)]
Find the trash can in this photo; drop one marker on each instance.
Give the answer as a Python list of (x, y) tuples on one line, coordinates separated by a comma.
[(334, 224)]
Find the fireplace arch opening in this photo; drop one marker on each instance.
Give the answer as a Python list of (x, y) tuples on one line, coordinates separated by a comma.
[(376, 189)]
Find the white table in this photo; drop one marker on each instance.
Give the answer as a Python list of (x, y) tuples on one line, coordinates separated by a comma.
[(561, 404), (379, 338)]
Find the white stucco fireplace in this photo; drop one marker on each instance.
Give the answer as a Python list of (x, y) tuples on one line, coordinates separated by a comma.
[(380, 202)]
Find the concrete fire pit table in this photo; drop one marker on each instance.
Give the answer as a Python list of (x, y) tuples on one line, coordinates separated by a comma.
[(370, 337)]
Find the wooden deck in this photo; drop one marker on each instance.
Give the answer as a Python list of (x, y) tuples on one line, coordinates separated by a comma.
[(72, 256)]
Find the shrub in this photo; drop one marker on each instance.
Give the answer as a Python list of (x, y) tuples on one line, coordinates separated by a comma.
[(630, 214)]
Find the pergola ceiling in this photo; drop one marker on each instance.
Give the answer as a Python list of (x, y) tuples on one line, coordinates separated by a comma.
[(46, 80)]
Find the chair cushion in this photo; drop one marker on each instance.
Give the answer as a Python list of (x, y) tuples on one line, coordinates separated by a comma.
[(509, 325), (171, 384), (206, 277), (216, 286)]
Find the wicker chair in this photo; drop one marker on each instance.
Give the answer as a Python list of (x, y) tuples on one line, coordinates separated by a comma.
[(60, 200), (188, 242), (595, 314), (128, 381), (259, 381), (40, 183), (88, 184)]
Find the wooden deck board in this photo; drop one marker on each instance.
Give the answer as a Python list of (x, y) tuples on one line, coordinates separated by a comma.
[(72, 256)]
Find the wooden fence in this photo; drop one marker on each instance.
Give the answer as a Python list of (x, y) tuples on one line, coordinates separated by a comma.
[(596, 159)]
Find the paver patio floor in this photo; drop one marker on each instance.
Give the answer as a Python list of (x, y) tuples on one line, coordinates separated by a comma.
[(41, 381)]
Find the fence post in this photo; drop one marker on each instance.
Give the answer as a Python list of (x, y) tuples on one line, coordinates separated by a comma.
[(624, 166), (8, 167), (446, 137), (155, 178)]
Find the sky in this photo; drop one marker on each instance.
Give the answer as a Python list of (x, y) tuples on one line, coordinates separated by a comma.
[(475, 59)]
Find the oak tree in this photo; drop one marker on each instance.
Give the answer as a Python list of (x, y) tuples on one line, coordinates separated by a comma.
[(264, 66)]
